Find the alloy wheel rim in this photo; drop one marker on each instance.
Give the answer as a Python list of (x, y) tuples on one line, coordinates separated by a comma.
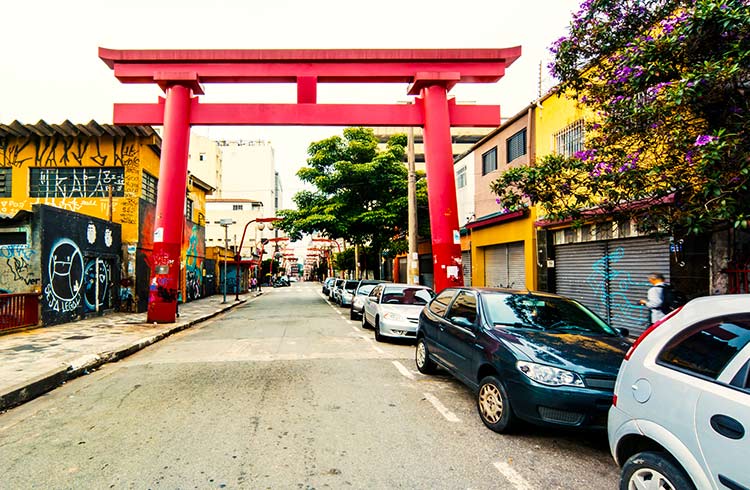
[(649, 479), (490, 403), (420, 354)]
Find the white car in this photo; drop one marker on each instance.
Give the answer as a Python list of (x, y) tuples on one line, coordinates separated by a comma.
[(393, 309), (681, 409)]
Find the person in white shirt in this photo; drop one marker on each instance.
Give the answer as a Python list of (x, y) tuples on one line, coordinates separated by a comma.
[(655, 298)]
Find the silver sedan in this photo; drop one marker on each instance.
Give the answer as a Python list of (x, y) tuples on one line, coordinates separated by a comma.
[(393, 309)]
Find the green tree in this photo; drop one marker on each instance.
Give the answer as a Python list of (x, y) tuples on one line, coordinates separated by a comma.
[(668, 81), (360, 192)]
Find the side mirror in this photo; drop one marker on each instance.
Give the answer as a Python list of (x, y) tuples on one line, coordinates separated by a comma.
[(624, 332)]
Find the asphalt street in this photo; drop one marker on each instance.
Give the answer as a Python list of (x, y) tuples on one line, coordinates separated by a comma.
[(282, 392)]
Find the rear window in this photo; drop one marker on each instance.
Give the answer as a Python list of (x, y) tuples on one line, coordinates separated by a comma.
[(365, 289), (440, 304), (706, 348), (351, 285), (407, 296)]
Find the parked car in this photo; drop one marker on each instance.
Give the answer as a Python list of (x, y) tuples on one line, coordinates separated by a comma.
[(347, 293), (539, 357), (327, 285), (393, 309), (363, 289), (336, 290), (681, 412)]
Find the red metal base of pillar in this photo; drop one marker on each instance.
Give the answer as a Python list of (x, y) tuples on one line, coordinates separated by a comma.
[(164, 288)]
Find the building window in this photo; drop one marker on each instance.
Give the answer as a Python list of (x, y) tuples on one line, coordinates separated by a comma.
[(201, 157), (189, 209), (5, 182), (237, 207), (516, 145), (461, 177), (77, 182), (489, 161), (149, 187), (569, 140)]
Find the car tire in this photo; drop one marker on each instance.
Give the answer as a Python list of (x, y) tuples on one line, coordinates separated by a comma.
[(649, 466), (378, 335), (364, 320), (425, 365), (494, 406)]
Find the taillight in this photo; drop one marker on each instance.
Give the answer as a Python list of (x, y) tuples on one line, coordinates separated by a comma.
[(614, 400), (648, 331)]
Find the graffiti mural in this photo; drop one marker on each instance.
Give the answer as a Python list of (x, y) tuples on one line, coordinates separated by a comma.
[(17, 268), (612, 285), (80, 257), (193, 274)]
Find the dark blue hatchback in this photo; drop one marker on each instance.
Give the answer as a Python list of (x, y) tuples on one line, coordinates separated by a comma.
[(534, 356)]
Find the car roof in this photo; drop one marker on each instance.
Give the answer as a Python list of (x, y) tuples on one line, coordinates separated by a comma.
[(404, 285), (486, 290), (371, 281)]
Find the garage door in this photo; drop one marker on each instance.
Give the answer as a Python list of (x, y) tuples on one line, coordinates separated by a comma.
[(466, 263), (610, 277), (504, 266)]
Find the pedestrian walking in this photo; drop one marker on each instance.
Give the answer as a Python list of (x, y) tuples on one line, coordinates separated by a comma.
[(655, 296)]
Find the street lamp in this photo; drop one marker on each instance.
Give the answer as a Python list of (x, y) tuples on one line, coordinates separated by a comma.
[(329, 241), (276, 254), (225, 222), (261, 224)]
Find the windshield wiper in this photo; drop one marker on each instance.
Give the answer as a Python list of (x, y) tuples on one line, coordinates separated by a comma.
[(515, 325)]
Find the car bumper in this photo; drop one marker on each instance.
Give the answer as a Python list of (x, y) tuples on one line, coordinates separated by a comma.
[(559, 406), (398, 329), (345, 301)]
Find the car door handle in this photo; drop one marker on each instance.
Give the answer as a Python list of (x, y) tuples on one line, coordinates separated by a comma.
[(727, 426)]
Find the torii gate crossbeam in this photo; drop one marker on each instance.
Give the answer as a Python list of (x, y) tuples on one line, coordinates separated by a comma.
[(430, 73)]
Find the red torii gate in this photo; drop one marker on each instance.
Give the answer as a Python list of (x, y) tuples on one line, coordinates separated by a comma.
[(430, 73)]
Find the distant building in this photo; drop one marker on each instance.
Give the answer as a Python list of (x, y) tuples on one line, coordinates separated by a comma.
[(249, 172)]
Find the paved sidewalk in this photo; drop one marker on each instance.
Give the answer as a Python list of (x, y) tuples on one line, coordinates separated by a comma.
[(36, 361)]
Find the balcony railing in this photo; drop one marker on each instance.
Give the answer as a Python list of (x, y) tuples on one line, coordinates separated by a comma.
[(739, 280), (18, 310)]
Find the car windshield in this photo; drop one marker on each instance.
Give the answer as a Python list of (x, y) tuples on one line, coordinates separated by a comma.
[(407, 296), (365, 289), (552, 314)]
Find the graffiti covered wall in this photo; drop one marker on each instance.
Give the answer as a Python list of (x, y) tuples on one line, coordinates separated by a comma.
[(80, 264), (19, 263)]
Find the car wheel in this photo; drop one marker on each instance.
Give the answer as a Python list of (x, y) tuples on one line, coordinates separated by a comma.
[(653, 470), (378, 335), (493, 405), (364, 320), (352, 315), (425, 365)]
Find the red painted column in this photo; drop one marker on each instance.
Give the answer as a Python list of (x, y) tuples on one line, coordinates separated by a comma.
[(170, 206), (441, 189)]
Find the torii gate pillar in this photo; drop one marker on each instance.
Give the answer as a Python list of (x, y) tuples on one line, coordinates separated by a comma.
[(170, 206)]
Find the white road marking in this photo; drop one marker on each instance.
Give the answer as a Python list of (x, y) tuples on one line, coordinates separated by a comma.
[(402, 369), (519, 482), (449, 416), (377, 349)]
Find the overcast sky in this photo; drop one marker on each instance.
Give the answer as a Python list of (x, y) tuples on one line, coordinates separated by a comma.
[(50, 69)]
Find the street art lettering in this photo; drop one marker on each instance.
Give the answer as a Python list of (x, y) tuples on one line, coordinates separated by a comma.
[(21, 251), (104, 280), (76, 182), (612, 285), (21, 271), (65, 270), (10, 155), (57, 151)]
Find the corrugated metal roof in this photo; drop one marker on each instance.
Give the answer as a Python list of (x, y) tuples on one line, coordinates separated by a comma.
[(69, 129)]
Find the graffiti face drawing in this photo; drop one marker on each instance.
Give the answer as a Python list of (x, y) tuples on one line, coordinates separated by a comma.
[(108, 237), (91, 233), (90, 280), (65, 271)]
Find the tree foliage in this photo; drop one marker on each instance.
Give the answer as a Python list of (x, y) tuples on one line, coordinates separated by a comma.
[(360, 192), (669, 84)]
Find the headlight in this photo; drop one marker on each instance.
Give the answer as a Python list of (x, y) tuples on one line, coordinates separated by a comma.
[(357, 301), (548, 375), (393, 316)]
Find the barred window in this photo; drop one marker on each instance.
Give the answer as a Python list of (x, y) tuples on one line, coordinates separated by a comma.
[(489, 161), (570, 139), (461, 177), (237, 207), (76, 182), (189, 209), (149, 187), (5, 182), (516, 145)]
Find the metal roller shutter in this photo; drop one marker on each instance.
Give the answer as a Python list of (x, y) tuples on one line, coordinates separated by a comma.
[(630, 263), (612, 277), (402, 272), (581, 274), (496, 266), (516, 266), (466, 263)]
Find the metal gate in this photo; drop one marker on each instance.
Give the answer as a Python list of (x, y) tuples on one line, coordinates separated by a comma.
[(504, 266), (466, 263), (611, 277)]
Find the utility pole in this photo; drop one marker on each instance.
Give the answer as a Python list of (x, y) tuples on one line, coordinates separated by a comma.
[(413, 258)]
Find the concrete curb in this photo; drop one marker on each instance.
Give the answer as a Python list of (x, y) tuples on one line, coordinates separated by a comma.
[(40, 385)]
